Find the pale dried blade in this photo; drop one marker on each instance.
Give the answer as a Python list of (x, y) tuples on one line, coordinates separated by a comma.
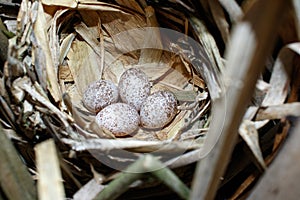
[(50, 184), (279, 111), (88, 191), (220, 19), (233, 9), (43, 41), (249, 133)]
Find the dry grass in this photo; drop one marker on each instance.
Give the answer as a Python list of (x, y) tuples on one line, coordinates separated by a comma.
[(242, 78)]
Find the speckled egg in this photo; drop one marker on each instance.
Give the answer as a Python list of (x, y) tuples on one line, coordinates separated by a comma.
[(120, 119), (158, 109), (134, 87), (100, 94)]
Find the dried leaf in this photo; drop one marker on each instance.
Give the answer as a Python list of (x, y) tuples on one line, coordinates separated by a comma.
[(97, 47), (280, 76), (84, 65), (185, 96), (171, 131), (208, 61), (185, 159), (12, 135), (262, 85), (251, 112), (279, 111), (11, 26), (153, 37), (129, 144), (278, 90), (220, 19), (25, 84), (43, 42), (88, 191), (133, 29), (65, 3), (54, 38), (100, 6), (132, 4), (249, 134), (65, 75), (233, 9)]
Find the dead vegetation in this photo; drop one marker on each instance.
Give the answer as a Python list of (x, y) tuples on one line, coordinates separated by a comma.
[(233, 66)]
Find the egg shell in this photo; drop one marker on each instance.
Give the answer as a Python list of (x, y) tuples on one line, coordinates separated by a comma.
[(120, 119), (158, 109), (100, 94), (134, 87)]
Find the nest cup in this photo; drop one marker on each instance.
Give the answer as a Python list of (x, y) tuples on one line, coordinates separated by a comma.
[(66, 46), (167, 68), (101, 41)]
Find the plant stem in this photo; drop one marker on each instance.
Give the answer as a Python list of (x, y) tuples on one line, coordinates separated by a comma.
[(146, 164)]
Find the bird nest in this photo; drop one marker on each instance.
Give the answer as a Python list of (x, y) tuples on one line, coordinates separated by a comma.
[(99, 41), (62, 47)]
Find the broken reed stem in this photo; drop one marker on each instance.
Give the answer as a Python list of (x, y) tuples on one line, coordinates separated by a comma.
[(146, 164), (15, 180), (49, 175)]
